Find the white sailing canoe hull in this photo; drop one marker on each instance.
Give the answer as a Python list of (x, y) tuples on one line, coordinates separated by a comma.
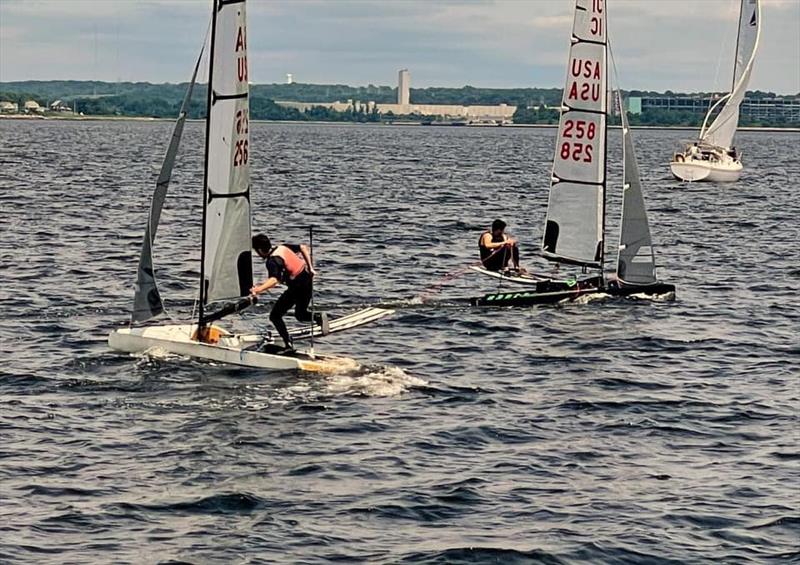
[(694, 171), (231, 349)]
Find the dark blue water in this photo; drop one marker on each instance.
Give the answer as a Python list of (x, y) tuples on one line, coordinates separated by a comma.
[(607, 432)]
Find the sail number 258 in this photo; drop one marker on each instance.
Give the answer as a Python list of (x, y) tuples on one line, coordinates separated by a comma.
[(577, 151)]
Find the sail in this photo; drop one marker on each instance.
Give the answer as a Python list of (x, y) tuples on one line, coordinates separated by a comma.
[(227, 265), (147, 300), (635, 262), (575, 209), (720, 133)]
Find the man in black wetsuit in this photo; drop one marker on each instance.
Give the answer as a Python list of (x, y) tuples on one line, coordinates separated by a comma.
[(291, 265), (497, 248)]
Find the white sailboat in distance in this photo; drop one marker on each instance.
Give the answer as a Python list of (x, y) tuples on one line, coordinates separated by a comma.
[(713, 157), (226, 272)]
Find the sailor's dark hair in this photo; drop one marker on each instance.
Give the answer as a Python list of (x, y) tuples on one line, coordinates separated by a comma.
[(498, 225), (261, 242)]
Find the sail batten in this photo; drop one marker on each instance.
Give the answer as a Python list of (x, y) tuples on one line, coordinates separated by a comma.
[(576, 206), (147, 301), (226, 261), (722, 130)]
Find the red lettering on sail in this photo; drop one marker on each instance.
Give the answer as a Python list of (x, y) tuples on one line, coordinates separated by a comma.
[(573, 91), (242, 69), (597, 6), (241, 40), (596, 27)]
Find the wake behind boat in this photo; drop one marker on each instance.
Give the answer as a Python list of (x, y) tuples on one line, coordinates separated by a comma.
[(575, 226), (226, 271), (712, 157)]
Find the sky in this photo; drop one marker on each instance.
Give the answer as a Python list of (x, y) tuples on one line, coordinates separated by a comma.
[(680, 45)]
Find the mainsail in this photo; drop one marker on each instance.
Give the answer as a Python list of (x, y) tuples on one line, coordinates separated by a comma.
[(635, 262), (227, 270), (574, 227), (147, 300), (720, 133)]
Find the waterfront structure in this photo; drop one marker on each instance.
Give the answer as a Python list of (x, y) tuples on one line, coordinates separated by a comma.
[(781, 108), (403, 87), (8, 107)]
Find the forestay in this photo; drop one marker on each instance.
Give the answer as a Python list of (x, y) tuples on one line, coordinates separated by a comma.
[(575, 210), (147, 300), (722, 130), (635, 262), (227, 264)]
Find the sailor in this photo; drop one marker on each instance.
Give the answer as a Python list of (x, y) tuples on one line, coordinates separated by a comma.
[(288, 264), (497, 248)]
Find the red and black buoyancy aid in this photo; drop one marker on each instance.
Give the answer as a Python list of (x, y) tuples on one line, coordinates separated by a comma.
[(293, 263)]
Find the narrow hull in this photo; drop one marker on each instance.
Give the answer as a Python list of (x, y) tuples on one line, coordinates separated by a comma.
[(695, 171), (545, 292), (242, 350), (552, 292), (623, 289)]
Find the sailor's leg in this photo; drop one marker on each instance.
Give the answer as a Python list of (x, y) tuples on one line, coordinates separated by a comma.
[(282, 305), (301, 312), (515, 255)]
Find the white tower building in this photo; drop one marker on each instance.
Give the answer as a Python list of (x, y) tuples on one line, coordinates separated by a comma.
[(403, 87), (289, 79)]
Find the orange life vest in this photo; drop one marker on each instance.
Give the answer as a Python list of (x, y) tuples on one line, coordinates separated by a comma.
[(293, 263)]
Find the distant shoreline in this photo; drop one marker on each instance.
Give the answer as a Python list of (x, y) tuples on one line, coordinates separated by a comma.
[(345, 123)]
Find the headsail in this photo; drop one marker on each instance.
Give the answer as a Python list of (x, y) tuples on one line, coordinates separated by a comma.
[(720, 133), (576, 208), (227, 265), (635, 262), (147, 300)]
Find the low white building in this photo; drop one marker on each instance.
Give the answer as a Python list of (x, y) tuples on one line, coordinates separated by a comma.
[(8, 107)]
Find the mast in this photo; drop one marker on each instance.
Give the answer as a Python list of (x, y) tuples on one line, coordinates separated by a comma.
[(209, 101), (226, 258)]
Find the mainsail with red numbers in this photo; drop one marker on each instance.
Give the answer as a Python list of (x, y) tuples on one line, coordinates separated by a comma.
[(227, 270), (574, 228)]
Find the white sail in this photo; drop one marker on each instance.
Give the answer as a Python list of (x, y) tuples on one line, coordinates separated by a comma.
[(635, 260), (227, 262), (720, 133), (575, 209), (147, 300)]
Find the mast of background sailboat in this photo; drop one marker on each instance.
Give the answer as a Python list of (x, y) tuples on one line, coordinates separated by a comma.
[(736, 51), (205, 171)]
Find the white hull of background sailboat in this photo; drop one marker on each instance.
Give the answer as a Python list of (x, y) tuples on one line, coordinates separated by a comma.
[(693, 170), (713, 158), (226, 272), (576, 211)]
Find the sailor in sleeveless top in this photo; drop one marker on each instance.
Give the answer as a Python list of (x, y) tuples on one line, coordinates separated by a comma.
[(496, 248)]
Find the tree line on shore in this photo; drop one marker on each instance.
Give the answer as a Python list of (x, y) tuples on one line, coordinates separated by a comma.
[(140, 99)]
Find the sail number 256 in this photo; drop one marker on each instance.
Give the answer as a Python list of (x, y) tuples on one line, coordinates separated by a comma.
[(578, 151)]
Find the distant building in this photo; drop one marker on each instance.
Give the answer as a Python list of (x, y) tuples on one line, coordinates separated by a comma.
[(775, 108), (59, 106), (32, 106), (8, 107), (289, 79), (403, 87)]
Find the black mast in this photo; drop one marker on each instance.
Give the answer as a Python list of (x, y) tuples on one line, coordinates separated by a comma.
[(209, 102)]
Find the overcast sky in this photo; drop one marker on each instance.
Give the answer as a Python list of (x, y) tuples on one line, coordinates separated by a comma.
[(682, 45)]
